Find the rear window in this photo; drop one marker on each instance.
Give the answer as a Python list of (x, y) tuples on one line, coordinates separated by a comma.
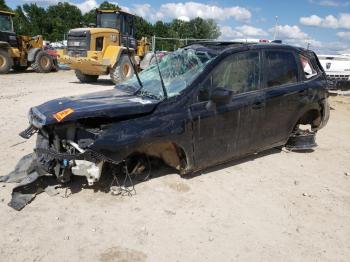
[(281, 68)]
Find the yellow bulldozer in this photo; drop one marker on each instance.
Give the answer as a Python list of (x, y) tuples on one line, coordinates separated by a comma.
[(109, 48), (19, 52)]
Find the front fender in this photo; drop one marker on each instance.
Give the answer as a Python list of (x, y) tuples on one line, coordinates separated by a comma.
[(122, 139), (111, 55)]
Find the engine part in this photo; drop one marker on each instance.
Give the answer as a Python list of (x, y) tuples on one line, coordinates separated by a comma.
[(91, 171)]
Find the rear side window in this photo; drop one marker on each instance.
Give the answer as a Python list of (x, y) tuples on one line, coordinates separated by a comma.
[(281, 68), (99, 43), (308, 69)]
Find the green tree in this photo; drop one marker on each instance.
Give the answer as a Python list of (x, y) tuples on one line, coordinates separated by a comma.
[(21, 22), (63, 17), (31, 20), (143, 28), (89, 18), (107, 5), (3, 6)]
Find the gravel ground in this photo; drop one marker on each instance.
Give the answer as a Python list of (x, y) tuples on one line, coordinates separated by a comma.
[(274, 206)]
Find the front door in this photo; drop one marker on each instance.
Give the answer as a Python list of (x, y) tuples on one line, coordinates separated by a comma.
[(222, 132)]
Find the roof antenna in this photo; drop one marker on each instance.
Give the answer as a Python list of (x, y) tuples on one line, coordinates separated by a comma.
[(276, 28)]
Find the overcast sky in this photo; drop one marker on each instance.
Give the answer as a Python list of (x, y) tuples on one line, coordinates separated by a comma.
[(324, 24)]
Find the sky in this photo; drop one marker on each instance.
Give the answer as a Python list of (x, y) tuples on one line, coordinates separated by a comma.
[(323, 25)]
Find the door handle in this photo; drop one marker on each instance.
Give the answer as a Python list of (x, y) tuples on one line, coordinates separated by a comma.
[(302, 92), (258, 105)]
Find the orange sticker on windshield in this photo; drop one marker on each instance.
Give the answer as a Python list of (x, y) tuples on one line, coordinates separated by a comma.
[(62, 114)]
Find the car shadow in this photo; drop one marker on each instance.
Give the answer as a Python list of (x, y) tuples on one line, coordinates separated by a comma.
[(157, 169), (100, 82)]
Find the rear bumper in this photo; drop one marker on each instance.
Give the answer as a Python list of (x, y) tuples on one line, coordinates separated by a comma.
[(86, 65)]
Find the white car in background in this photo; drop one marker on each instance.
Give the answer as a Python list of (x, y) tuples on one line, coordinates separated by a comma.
[(337, 68)]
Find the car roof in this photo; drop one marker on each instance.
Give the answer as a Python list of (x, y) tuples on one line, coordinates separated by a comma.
[(226, 46)]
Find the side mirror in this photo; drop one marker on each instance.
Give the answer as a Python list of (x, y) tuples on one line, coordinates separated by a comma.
[(221, 95)]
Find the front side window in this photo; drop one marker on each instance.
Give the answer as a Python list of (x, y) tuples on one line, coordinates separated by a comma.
[(239, 72), (281, 68), (308, 69)]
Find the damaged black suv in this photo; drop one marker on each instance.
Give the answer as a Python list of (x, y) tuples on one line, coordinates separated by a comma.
[(201, 105)]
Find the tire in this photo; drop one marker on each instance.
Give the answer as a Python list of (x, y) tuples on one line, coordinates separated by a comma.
[(43, 62), (19, 68), (85, 78), (5, 62), (55, 67), (122, 70)]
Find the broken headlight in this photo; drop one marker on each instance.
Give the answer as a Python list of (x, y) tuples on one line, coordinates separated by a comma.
[(36, 118)]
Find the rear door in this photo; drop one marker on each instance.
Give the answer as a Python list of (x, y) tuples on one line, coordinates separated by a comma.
[(226, 131), (283, 91)]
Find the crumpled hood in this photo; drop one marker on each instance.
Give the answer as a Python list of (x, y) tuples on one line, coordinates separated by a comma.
[(110, 104)]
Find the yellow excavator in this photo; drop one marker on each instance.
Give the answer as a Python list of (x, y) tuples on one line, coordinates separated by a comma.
[(19, 52), (109, 48)]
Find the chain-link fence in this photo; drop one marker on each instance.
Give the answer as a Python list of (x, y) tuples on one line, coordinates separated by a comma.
[(171, 44)]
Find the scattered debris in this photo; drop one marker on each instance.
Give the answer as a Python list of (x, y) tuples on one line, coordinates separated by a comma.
[(346, 173), (19, 143), (211, 239), (306, 194), (22, 169), (296, 182), (170, 212)]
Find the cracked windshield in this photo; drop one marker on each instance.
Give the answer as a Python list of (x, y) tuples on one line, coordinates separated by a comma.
[(177, 70)]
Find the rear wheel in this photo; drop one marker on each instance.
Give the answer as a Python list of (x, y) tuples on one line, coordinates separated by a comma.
[(5, 62), (43, 62), (122, 70), (85, 78)]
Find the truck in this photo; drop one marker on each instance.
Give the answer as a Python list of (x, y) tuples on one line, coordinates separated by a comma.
[(18, 52), (110, 48), (337, 68)]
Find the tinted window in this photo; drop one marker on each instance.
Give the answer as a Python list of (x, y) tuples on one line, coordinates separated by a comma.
[(239, 72), (281, 68), (99, 43)]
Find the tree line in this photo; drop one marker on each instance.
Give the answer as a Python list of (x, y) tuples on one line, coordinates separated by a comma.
[(54, 22)]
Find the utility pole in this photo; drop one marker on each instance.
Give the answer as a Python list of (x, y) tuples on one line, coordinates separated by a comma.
[(276, 28)]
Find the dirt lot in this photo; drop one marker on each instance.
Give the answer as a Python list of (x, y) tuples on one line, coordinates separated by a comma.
[(275, 206)]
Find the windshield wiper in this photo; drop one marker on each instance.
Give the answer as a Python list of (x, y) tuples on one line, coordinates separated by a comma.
[(148, 94), (134, 67), (160, 76)]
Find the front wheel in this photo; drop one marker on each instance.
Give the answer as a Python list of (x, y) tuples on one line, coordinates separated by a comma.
[(5, 62), (85, 78), (43, 62), (122, 70)]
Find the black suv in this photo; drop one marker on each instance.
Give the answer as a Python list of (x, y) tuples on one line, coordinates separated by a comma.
[(201, 105)]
